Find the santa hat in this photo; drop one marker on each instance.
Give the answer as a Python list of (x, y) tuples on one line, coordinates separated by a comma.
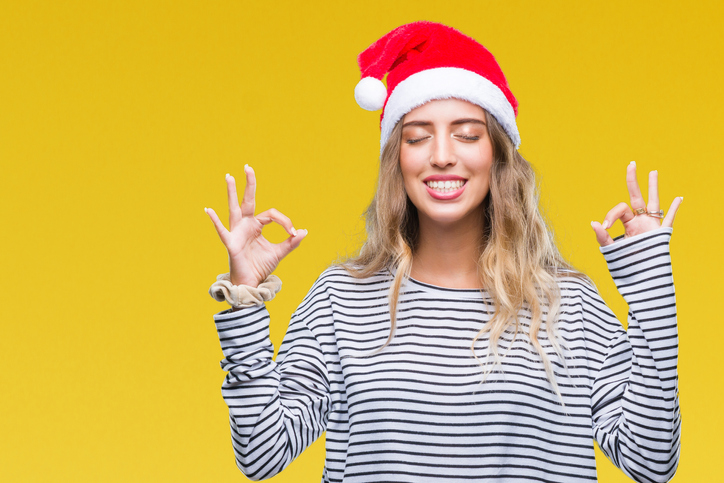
[(425, 61)]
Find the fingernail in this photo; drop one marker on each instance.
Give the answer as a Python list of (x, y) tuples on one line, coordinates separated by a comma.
[(205, 210), (227, 176), (294, 232), (605, 225), (682, 198), (246, 166), (633, 162), (592, 224)]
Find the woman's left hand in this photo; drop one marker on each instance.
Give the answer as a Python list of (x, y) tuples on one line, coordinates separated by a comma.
[(636, 224)]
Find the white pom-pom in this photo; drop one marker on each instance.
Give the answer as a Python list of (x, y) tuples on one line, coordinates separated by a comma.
[(370, 94)]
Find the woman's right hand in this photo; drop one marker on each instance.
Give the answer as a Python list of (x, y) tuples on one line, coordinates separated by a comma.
[(252, 258)]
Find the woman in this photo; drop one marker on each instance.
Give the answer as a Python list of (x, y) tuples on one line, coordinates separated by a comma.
[(458, 345)]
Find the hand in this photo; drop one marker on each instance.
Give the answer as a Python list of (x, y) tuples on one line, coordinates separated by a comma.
[(252, 258), (632, 223)]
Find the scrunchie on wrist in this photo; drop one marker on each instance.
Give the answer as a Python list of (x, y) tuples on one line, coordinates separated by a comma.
[(239, 296)]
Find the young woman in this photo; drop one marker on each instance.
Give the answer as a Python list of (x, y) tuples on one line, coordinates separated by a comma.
[(458, 345)]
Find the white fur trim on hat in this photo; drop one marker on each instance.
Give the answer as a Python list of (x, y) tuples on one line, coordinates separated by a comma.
[(370, 94), (447, 83)]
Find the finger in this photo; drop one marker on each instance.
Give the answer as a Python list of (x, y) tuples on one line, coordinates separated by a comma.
[(619, 212), (653, 191), (274, 215), (220, 229), (234, 210), (637, 201), (602, 236), (290, 244), (669, 220), (247, 205)]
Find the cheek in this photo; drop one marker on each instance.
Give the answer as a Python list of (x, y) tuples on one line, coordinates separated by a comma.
[(478, 161), (485, 160), (409, 167)]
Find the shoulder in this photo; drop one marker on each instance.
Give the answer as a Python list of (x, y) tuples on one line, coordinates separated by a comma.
[(575, 284), (337, 279), (581, 300), (337, 287), (343, 278)]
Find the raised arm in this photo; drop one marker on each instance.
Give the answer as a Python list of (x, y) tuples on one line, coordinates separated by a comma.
[(276, 409), (634, 399)]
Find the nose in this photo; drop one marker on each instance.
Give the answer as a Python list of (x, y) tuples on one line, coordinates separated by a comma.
[(443, 152)]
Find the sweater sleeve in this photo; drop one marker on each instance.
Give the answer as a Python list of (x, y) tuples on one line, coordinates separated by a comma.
[(276, 409), (634, 399)]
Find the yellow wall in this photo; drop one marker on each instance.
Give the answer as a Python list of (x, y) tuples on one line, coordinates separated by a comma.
[(118, 121)]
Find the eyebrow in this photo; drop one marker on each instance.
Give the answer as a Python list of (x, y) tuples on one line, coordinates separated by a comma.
[(454, 123)]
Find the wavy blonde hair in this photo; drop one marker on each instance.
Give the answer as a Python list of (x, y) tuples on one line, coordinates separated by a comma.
[(519, 264)]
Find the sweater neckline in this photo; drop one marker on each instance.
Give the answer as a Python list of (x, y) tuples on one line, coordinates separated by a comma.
[(469, 292), (476, 293)]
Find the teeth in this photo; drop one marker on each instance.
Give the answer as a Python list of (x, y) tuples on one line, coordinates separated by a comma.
[(446, 186)]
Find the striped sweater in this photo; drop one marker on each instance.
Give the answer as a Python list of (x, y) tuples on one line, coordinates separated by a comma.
[(418, 411)]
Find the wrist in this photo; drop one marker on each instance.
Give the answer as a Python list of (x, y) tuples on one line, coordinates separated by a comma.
[(249, 282), (239, 277), (244, 295)]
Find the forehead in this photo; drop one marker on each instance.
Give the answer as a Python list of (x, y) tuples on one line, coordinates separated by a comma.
[(445, 110)]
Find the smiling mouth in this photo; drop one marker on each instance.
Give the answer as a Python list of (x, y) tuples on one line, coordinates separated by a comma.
[(446, 186)]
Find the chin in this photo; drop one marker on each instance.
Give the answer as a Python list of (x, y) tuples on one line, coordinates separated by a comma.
[(446, 218)]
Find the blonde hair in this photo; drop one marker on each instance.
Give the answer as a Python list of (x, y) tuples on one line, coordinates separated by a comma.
[(519, 264)]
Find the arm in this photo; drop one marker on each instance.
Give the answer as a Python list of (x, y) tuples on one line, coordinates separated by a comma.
[(276, 409), (634, 398)]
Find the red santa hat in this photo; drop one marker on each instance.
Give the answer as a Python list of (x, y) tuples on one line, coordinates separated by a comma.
[(425, 61)]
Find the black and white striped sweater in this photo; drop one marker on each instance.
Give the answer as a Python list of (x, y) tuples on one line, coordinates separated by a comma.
[(417, 411)]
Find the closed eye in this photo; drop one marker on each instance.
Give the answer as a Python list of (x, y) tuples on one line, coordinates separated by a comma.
[(417, 140), (468, 138)]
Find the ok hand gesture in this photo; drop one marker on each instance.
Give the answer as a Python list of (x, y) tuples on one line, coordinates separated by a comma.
[(644, 217), (252, 258)]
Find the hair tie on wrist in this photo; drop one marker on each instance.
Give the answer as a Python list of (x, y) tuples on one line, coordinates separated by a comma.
[(244, 295)]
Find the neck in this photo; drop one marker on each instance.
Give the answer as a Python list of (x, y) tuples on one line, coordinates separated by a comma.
[(447, 255)]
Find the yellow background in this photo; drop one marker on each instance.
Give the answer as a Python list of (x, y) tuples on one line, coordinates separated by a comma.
[(118, 121)]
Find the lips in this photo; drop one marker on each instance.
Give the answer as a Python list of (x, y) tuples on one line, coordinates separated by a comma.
[(444, 177), (453, 190)]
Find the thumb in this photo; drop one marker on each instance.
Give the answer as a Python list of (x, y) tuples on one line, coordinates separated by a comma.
[(285, 247), (602, 236)]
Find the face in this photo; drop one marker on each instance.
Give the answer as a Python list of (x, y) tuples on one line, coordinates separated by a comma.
[(445, 158)]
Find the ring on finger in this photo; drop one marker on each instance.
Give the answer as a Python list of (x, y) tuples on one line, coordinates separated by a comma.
[(643, 211)]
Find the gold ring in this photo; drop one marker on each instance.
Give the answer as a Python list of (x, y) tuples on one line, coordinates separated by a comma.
[(639, 211)]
